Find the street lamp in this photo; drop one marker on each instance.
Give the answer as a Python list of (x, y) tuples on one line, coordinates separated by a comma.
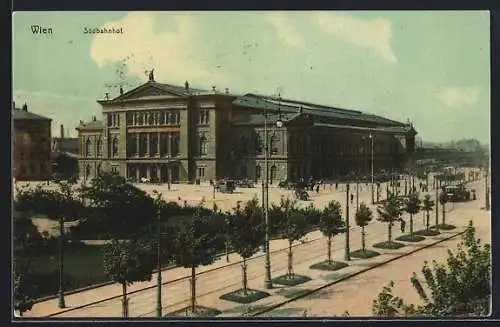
[(347, 256), (158, 262), (61, 302), (267, 265), (373, 177)]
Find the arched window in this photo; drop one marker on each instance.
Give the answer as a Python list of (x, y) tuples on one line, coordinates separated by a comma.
[(99, 147), (258, 172), (203, 145), (87, 171), (88, 147), (259, 144), (274, 144), (173, 119), (151, 119), (140, 119), (114, 147), (273, 173)]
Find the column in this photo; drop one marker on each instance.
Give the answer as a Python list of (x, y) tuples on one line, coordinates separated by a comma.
[(158, 173), (158, 135), (169, 144), (147, 145), (133, 118), (137, 139)]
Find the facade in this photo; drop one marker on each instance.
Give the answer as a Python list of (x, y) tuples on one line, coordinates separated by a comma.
[(160, 132), (31, 145)]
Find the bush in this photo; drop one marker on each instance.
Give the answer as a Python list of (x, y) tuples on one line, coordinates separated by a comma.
[(445, 226), (238, 296), (425, 232), (291, 281), (366, 254), (331, 266), (389, 245), (411, 238)]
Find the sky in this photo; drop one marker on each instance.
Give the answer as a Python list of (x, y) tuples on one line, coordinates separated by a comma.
[(429, 67)]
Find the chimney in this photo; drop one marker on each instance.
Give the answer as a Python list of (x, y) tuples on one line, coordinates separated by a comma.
[(227, 90), (121, 90), (25, 107), (81, 122), (300, 109), (62, 131), (186, 86), (106, 96)]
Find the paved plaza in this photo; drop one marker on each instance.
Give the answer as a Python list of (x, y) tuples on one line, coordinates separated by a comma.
[(222, 277)]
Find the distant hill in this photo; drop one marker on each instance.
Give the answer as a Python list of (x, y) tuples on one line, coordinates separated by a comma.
[(467, 145)]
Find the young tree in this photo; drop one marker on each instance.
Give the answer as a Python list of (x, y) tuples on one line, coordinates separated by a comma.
[(443, 199), (461, 287), (246, 234), (428, 205), (127, 262), (331, 224), (293, 228), (412, 206), (389, 212), (118, 208), (194, 244), (363, 216)]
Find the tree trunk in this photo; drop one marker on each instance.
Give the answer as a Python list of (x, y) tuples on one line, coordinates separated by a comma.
[(444, 213), (290, 254), (329, 249), (411, 225), (124, 301), (390, 231), (193, 289), (245, 280), (427, 221), (363, 244)]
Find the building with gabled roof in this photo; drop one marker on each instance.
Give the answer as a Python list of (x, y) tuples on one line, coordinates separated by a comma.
[(166, 132)]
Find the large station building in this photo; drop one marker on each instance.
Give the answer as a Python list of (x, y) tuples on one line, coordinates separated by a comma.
[(159, 130)]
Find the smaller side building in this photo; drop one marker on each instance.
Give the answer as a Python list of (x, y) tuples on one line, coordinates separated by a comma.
[(31, 143), (65, 155)]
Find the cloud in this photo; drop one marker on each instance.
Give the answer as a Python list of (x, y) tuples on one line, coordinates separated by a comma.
[(369, 33), (457, 97), (285, 31), (142, 48)]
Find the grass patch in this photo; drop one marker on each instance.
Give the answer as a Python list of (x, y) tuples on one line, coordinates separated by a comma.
[(425, 232), (366, 254), (292, 292), (199, 311), (411, 238), (239, 297), (291, 280), (331, 266), (445, 227), (389, 245)]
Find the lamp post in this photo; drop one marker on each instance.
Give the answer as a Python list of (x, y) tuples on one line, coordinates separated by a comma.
[(373, 177), (61, 302), (357, 193), (158, 255), (347, 256), (486, 190)]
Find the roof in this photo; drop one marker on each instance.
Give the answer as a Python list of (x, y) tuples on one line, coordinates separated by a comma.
[(94, 124), (258, 119), (20, 114), (380, 129), (66, 144), (285, 105)]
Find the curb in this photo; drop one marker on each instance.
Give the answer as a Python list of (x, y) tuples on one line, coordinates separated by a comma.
[(153, 286), (275, 306)]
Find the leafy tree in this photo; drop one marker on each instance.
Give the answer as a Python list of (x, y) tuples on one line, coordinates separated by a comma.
[(461, 287), (412, 206), (117, 208), (427, 205), (23, 292), (126, 262), (312, 214), (194, 244), (390, 211), (293, 228), (443, 199), (363, 216), (246, 233), (331, 224)]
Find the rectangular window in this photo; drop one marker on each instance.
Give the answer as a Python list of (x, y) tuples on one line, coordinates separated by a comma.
[(201, 172)]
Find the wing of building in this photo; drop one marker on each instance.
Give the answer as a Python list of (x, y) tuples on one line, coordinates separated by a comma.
[(31, 145), (162, 131)]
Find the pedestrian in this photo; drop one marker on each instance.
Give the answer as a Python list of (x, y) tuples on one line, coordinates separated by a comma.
[(317, 189), (352, 198), (403, 225), (336, 186)]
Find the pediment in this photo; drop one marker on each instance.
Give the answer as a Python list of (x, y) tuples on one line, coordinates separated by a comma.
[(149, 90)]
